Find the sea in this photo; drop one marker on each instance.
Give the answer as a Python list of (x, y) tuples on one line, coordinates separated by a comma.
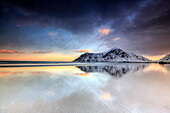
[(71, 87)]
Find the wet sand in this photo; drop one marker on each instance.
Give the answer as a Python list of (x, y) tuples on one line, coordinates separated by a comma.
[(86, 88)]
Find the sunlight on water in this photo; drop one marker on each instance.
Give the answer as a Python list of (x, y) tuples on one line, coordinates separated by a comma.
[(86, 88)]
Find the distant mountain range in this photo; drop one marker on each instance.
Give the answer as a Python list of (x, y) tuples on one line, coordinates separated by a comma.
[(112, 55), (116, 55)]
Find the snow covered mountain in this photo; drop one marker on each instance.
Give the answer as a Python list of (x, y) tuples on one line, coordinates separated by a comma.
[(165, 58), (112, 55)]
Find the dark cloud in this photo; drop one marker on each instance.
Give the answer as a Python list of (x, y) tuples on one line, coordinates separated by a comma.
[(147, 32), (77, 16), (152, 29), (142, 26)]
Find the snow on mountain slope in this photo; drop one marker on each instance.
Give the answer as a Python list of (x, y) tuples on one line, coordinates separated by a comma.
[(165, 58), (112, 55)]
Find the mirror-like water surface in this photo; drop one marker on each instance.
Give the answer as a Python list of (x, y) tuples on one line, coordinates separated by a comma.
[(85, 88)]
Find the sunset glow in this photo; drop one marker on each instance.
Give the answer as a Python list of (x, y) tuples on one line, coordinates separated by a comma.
[(38, 57), (89, 56), (57, 32), (155, 58)]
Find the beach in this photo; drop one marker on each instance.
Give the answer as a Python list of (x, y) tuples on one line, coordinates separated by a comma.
[(85, 88)]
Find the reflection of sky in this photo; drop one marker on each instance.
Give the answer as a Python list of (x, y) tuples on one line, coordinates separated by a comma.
[(156, 67), (60, 83), (59, 88)]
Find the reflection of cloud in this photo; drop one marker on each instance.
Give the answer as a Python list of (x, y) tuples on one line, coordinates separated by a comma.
[(8, 73), (9, 51), (61, 84), (116, 38), (82, 51), (39, 52), (58, 92), (104, 31), (105, 96), (82, 74), (41, 72)]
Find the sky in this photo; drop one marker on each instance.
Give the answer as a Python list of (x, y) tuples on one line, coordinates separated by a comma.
[(61, 30)]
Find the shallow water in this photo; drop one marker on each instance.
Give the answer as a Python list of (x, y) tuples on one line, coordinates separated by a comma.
[(85, 88)]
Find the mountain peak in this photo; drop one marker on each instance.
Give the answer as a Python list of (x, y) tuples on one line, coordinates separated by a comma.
[(115, 48), (112, 55)]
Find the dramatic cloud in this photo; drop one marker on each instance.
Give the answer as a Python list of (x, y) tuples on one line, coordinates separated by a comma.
[(41, 52), (142, 25), (103, 31), (76, 16), (150, 31), (9, 51), (82, 51), (143, 31)]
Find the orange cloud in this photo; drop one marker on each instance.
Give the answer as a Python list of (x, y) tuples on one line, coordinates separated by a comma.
[(39, 52), (82, 51), (103, 31), (116, 38), (9, 51)]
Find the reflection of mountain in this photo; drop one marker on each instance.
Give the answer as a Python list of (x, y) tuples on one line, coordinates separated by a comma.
[(115, 70)]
